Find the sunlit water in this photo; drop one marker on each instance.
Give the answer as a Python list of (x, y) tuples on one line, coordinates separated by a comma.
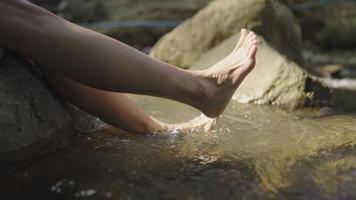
[(256, 152)]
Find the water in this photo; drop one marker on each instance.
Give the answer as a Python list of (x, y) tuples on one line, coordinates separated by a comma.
[(256, 152)]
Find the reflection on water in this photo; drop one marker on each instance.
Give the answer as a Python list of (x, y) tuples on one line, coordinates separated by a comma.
[(256, 152)]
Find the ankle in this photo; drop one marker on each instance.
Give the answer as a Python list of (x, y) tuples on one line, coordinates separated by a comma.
[(204, 89)]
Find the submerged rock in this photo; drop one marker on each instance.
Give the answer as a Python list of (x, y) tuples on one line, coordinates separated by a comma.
[(212, 34)]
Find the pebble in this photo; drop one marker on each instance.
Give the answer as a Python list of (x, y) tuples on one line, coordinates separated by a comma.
[(86, 193)]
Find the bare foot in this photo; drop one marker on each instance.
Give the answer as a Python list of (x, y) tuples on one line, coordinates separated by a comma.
[(222, 79), (200, 123)]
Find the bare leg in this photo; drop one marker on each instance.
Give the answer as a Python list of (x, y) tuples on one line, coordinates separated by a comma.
[(101, 62), (118, 110)]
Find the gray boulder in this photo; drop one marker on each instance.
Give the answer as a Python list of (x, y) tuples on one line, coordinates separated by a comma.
[(28, 110), (33, 119)]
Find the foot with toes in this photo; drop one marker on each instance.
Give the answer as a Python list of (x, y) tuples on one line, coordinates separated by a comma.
[(223, 78)]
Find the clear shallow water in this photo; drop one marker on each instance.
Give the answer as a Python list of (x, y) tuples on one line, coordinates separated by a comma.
[(256, 152)]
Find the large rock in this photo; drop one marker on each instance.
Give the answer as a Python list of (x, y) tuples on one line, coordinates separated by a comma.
[(212, 34), (33, 120), (28, 110), (224, 18), (275, 79)]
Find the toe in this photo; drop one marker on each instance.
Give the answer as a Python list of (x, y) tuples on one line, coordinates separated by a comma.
[(243, 35), (251, 40), (253, 51), (248, 38)]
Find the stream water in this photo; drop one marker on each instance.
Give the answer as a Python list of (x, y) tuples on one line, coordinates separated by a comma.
[(256, 152)]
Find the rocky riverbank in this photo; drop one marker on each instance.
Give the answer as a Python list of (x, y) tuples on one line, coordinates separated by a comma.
[(35, 120)]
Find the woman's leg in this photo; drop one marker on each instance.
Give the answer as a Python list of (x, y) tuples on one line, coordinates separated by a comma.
[(118, 110), (104, 63)]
